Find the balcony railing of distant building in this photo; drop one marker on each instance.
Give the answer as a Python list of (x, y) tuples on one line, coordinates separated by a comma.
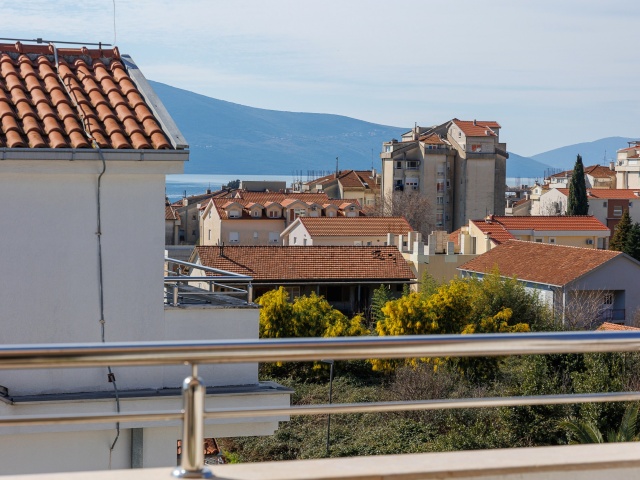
[(220, 287), (613, 315), (193, 413)]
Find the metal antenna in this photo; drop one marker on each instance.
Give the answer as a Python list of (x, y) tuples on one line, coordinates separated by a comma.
[(40, 40)]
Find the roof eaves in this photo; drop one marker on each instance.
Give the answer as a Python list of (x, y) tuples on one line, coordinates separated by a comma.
[(155, 105)]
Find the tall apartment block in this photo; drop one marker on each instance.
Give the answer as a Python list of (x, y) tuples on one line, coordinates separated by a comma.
[(460, 166)]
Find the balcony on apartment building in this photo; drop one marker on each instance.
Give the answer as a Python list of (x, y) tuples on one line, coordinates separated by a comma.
[(616, 460), (628, 164)]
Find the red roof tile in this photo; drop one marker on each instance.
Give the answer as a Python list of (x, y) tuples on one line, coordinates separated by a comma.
[(496, 232), (433, 139), (88, 94), (612, 327), (546, 223), (170, 213), (608, 193), (598, 171), (303, 263), (355, 226), (539, 262), (477, 128)]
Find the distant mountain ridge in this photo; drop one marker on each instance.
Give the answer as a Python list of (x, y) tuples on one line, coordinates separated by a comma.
[(229, 138)]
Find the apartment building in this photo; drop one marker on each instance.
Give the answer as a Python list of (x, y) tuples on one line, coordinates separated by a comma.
[(628, 166), (459, 166), (595, 176), (258, 218), (360, 185)]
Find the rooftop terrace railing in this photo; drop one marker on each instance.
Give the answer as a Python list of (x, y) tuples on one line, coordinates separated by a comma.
[(179, 288), (308, 349)]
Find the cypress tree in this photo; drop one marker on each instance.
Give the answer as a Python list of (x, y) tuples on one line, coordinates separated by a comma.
[(632, 242), (577, 203), (621, 233)]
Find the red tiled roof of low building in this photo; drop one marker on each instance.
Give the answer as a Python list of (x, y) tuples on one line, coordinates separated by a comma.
[(88, 94), (558, 222), (539, 262), (608, 193), (613, 327), (355, 226), (496, 232), (170, 213), (303, 263)]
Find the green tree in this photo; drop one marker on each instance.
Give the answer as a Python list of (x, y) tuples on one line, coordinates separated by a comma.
[(632, 242), (621, 232), (586, 431), (577, 203), (379, 299)]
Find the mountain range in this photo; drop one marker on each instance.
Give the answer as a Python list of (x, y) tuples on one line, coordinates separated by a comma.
[(228, 138)]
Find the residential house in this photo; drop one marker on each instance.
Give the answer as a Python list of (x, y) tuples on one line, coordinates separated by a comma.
[(188, 209), (171, 225), (568, 279), (251, 218), (357, 231), (595, 176), (360, 185), (84, 124), (459, 166), (604, 204), (628, 166), (345, 275), (579, 231)]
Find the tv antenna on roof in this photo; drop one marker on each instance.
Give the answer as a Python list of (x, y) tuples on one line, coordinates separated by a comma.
[(40, 40)]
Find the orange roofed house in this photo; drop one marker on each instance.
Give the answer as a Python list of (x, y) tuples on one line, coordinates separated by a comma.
[(345, 275), (606, 205), (82, 132), (578, 231), (360, 185), (258, 218), (568, 279), (358, 231)]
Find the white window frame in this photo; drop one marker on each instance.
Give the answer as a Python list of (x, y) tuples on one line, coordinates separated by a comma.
[(234, 237)]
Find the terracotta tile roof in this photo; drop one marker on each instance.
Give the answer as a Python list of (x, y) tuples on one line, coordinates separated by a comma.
[(546, 223), (170, 213), (304, 263), (477, 128), (348, 179), (355, 226), (522, 201), (608, 193), (612, 327), (598, 171), (90, 94), (540, 262), (496, 232), (433, 139), (272, 198)]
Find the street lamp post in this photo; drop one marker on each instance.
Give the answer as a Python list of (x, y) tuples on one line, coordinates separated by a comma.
[(330, 362)]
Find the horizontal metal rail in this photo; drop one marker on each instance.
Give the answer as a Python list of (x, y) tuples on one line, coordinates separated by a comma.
[(323, 409), (193, 413), (310, 349), (208, 269)]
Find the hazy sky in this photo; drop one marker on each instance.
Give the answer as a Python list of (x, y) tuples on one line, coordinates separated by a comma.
[(551, 72)]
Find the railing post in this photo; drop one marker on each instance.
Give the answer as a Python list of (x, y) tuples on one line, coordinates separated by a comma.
[(175, 294), (192, 456)]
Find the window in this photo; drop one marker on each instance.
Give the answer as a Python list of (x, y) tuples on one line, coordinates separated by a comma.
[(552, 240), (274, 237), (398, 165), (440, 200), (607, 299), (604, 204), (256, 213), (209, 235), (295, 240), (234, 213), (234, 237), (209, 213), (412, 165), (299, 212), (274, 214), (412, 183), (440, 187), (617, 211), (387, 148), (538, 240), (256, 235)]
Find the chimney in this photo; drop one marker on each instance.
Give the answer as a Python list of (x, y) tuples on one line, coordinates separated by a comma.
[(222, 249), (612, 165), (475, 123)]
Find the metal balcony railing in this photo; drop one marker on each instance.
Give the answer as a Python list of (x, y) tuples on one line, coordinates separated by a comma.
[(308, 349), (179, 286)]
